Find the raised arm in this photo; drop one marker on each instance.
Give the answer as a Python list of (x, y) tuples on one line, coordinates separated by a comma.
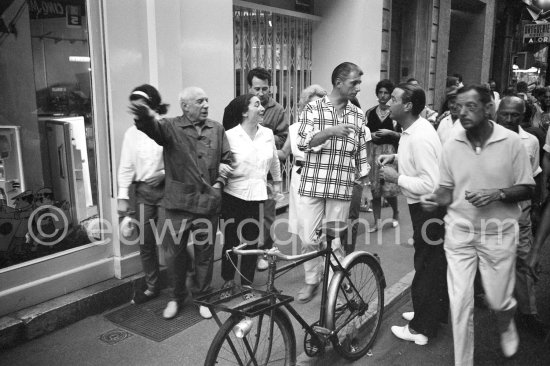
[(146, 121)]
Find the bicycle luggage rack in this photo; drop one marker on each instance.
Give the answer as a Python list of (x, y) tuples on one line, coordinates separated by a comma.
[(244, 301)]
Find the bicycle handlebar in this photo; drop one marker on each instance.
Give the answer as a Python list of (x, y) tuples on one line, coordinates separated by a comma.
[(274, 252)]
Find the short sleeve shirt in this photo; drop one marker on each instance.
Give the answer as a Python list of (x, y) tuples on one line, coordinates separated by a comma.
[(329, 172), (501, 163)]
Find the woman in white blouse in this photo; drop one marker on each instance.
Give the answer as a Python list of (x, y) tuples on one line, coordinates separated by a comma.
[(254, 155)]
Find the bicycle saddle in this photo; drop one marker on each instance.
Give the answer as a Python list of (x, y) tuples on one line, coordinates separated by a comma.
[(334, 228)]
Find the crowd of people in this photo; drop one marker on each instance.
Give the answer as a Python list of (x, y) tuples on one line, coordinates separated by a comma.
[(475, 216)]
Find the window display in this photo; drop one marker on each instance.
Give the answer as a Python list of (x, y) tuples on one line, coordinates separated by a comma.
[(48, 179)]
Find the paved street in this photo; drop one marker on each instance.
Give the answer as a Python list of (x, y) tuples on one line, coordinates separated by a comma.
[(79, 343)]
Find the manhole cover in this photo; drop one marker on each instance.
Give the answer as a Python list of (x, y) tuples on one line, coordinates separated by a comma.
[(115, 336)]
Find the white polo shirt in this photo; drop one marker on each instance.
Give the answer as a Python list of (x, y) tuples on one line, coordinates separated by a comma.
[(418, 159)]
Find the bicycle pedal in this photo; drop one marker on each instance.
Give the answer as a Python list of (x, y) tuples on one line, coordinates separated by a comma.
[(322, 330)]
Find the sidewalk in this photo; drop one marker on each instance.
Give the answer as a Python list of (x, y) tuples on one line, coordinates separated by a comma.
[(80, 343)]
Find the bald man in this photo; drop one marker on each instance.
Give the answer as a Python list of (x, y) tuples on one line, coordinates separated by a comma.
[(510, 115), (194, 148)]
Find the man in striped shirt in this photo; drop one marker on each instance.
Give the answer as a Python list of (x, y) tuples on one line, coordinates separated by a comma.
[(333, 135)]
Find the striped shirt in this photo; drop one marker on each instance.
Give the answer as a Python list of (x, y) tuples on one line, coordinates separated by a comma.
[(330, 169)]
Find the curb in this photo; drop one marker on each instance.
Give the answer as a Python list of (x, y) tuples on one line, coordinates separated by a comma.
[(35, 321), (394, 296), (26, 324)]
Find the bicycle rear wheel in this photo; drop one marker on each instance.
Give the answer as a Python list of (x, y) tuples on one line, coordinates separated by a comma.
[(272, 342), (355, 306)]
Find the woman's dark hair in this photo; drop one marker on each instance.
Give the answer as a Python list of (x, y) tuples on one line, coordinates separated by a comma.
[(236, 108), (385, 83), (151, 96)]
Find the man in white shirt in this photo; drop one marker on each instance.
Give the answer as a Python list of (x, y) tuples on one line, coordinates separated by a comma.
[(510, 115), (484, 173), (418, 158)]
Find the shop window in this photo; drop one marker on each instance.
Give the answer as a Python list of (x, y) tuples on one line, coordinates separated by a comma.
[(48, 178)]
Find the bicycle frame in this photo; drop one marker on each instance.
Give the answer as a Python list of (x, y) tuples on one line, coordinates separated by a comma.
[(326, 253), (319, 332)]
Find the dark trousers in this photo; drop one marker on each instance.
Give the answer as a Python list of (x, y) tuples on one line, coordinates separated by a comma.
[(177, 226), (147, 211), (429, 294), (354, 212), (237, 231), (268, 219)]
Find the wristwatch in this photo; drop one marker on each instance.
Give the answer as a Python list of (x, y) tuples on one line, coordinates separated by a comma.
[(501, 194)]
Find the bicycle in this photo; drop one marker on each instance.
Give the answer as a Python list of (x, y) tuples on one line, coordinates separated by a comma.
[(259, 331)]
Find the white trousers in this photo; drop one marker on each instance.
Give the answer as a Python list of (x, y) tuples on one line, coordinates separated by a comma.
[(315, 212), (496, 255)]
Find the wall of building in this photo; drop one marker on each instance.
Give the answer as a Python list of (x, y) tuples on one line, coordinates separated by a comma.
[(349, 31), (471, 37)]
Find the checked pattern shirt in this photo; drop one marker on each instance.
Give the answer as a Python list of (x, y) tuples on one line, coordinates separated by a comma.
[(331, 168)]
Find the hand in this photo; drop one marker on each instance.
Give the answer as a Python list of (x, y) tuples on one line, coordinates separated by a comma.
[(225, 170), (384, 132), (342, 130), (217, 185), (429, 202), (385, 159), (156, 179), (482, 197), (277, 187), (375, 138), (140, 110), (123, 205), (532, 262), (389, 174)]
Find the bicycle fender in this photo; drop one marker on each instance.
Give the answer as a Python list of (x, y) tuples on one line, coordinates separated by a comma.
[(350, 257), (336, 278)]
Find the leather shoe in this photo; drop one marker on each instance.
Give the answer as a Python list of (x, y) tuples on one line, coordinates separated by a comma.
[(262, 265), (142, 297), (509, 340), (533, 324), (408, 316), (171, 310), (205, 312), (405, 334), (306, 293)]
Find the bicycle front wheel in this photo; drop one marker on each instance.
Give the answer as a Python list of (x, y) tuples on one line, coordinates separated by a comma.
[(355, 306), (271, 340)]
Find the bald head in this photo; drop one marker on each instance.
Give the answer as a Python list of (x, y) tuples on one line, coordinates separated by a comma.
[(511, 110), (194, 103)]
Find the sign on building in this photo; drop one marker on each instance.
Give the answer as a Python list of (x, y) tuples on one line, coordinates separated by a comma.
[(536, 33)]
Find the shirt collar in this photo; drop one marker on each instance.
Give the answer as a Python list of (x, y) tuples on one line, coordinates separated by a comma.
[(499, 133), (349, 107), (522, 134), (416, 125), (270, 103), (183, 121), (240, 130)]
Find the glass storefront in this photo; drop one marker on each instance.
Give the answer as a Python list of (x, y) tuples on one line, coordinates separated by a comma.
[(48, 177)]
